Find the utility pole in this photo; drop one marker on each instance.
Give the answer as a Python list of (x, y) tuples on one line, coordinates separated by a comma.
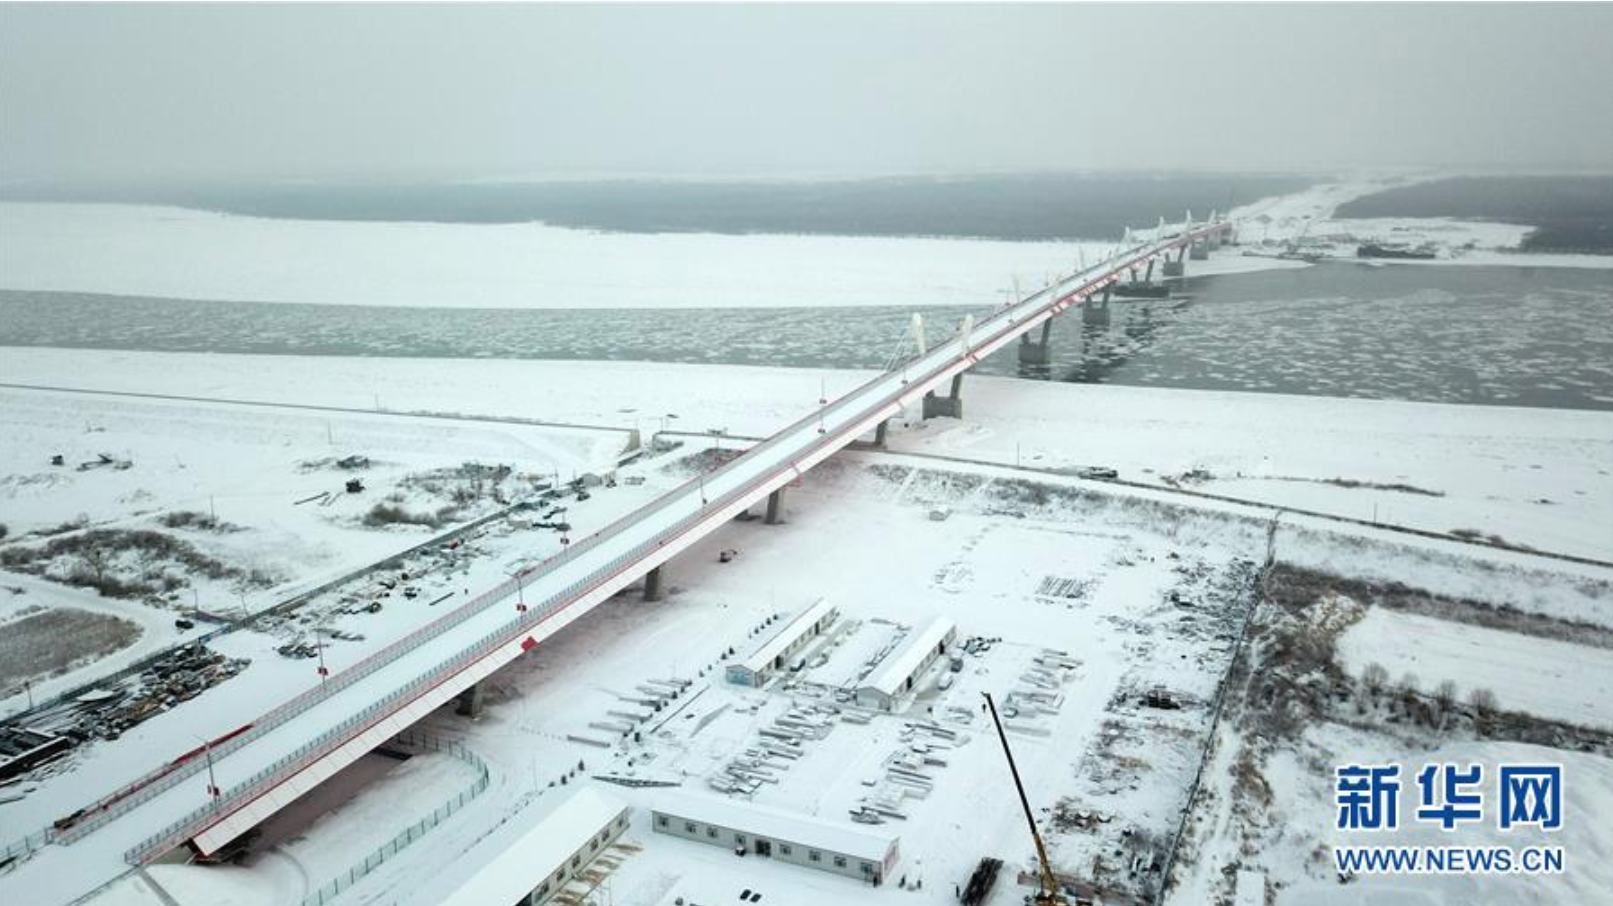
[(1049, 894)]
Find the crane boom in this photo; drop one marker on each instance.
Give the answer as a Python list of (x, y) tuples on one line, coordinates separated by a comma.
[(1050, 884)]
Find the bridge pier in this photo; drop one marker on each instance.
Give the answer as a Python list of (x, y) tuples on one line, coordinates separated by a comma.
[(1199, 251), (1176, 267), (950, 406), (878, 443), (653, 589), (775, 506), (469, 702), (1096, 311), (1032, 352)]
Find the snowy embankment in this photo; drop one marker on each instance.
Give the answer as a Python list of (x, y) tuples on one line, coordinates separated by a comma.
[(1536, 477)]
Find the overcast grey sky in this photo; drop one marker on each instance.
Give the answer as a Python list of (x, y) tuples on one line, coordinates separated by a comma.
[(466, 91)]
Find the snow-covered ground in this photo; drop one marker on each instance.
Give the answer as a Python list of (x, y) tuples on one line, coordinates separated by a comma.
[(1538, 477), (1299, 831), (266, 474), (1305, 222), (1302, 704), (1555, 679), (983, 571), (978, 567), (1121, 629)]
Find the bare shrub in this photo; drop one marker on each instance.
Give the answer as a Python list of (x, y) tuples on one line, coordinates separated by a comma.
[(190, 519), (384, 514), (1444, 698), (1375, 677), (118, 563), (1483, 702), (1445, 695), (71, 525)]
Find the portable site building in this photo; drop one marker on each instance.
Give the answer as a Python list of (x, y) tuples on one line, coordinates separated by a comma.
[(866, 855), (896, 674), (525, 864), (774, 654)]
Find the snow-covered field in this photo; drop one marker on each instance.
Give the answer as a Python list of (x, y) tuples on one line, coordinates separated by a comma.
[(1525, 688), (977, 568), (1306, 222), (256, 470), (1538, 477), (1298, 829), (1121, 629), (1555, 679)]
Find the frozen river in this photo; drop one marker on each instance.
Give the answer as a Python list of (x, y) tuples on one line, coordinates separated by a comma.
[(1488, 335)]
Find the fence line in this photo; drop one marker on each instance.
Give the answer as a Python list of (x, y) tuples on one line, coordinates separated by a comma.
[(27, 846), (415, 831)]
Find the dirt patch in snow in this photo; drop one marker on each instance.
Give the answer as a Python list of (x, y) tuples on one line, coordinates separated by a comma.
[(48, 644)]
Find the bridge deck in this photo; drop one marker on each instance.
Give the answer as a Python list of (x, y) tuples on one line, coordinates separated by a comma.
[(287, 752)]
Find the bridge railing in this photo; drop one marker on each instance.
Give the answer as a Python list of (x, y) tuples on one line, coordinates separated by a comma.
[(172, 774), (25, 846), (312, 751)]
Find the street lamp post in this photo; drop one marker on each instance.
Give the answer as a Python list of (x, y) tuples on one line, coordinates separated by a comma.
[(520, 589), (213, 792)]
